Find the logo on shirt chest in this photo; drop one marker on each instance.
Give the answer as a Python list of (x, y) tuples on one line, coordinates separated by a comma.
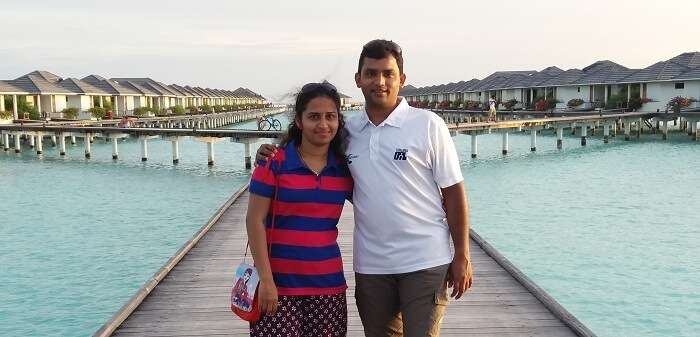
[(349, 157), (400, 154)]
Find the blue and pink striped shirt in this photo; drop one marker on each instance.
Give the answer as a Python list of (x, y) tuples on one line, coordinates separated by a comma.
[(305, 257)]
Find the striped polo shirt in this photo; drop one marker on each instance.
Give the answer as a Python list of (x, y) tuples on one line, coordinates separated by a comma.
[(305, 257)]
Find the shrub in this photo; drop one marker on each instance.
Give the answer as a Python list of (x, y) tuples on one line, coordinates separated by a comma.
[(218, 108), (545, 104), (472, 105), (98, 112), (205, 108), (443, 105), (510, 104), (192, 109), (70, 113), (677, 103), (107, 105), (616, 102), (5, 115), (178, 110), (572, 103), (141, 111)]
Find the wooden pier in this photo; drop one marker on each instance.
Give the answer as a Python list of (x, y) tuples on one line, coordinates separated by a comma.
[(189, 296)]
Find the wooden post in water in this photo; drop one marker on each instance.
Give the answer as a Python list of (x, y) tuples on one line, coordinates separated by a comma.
[(53, 140), (39, 143), (584, 134), (210, 153), (72, 140), (606, 133), (6, 142), (176, 150), (17, 143), (32, 141), (627, 130), (560, 137), (505, 144), (664, 131), (533, 140), (640, 129), (87, 145), (144, 148), (694, 125), (62, 144), (474, 145), (115, 148), (247, 156)]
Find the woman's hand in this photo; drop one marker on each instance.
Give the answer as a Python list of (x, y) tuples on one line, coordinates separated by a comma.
[(265, 152), (267, 297)]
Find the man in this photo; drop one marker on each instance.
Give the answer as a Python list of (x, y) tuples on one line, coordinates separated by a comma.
[(408, 200), (492, 109)]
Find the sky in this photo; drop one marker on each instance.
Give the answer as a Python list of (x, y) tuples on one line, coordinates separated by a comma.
[(273, 47)]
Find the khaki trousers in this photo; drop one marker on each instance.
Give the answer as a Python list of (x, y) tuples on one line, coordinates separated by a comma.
[(410, 304)]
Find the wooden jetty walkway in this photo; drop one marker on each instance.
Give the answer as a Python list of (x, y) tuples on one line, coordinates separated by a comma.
[(189, 296)]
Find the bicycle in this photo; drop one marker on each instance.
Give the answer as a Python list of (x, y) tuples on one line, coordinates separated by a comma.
[(267, 123)]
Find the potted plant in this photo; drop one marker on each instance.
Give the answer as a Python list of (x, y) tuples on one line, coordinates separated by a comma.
[(6, 117), (677, 103), (510, 104), (178, 110), (575, 102), (97, 112), (70, 113)]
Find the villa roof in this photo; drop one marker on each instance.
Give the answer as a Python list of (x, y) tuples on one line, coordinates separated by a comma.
[(80, 87), (35, 84), (604, 76), (604, 64), (693, 74), (109, 86), (660, 71), (407, 90), (690, 59), (192, 91), (8, 88), (180, 90), (138, 88), (155, 86), (564, 78), (48, 76)]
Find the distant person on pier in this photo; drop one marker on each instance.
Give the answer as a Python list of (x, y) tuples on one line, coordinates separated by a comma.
[(295, 204), (492, 109), (405, 168)]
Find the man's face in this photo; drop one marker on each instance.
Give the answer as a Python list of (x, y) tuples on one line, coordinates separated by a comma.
[(380, 81)]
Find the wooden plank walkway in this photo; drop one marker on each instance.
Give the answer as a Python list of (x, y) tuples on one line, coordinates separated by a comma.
[(193, 297)]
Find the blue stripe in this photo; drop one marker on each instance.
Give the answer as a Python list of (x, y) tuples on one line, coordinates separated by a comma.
[(261, 188), (309, 281), (305, 253), (313, 195), (301, 223)]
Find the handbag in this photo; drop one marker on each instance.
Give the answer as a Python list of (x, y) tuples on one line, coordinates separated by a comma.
[(246, 279)]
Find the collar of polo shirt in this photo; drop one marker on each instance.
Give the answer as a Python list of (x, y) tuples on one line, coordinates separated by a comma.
[(395, 118), (292, 161)]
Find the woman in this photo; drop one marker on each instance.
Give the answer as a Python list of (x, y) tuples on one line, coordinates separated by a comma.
[(295, 202)]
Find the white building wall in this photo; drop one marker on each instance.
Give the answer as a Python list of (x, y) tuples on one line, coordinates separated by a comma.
[(662, 92)]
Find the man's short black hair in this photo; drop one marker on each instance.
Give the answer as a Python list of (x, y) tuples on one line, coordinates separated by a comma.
[(379, 49)]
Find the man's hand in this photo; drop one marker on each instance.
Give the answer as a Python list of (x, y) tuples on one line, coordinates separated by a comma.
[(265, 152), (459, 276)]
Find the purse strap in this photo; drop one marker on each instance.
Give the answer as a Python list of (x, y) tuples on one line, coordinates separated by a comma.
[(272, 225)]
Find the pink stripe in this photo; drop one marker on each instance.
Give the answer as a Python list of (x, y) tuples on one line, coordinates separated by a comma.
[(308, 209), (303, 238), (311, 291), (336, 183), (287, 266)]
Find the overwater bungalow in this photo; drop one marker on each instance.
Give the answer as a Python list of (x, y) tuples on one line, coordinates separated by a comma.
[(124, 99), (603, 84)]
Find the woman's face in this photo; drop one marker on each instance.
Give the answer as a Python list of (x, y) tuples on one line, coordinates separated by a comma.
[(319, 122)]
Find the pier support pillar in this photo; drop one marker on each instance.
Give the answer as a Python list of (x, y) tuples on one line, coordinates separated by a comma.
[(606, 133), (62, 144), (474, 145), (87, 145), (32, 142), (176, 150), (144, 148), (664, 130), (504, 151), (210, 153), (560, 138), (533, 140), (17, 143), (39, 144), (53, 141), (627, 130), (584, 134), (640, 129), (694, 128), (6, 142), (247, 156), (115, 148), (72, 140)]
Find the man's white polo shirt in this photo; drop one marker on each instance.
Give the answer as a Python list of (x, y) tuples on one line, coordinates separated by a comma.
[(399, 167)]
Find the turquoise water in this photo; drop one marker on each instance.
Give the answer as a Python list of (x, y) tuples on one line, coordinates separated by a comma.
[(611, 231)]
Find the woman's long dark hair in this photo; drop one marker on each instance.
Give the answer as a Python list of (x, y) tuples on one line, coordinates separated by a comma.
[(305, 95)]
